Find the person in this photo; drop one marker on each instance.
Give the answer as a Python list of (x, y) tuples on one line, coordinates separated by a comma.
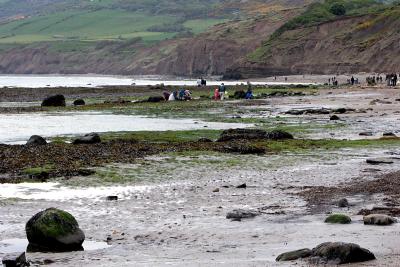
[(166, 95), (188, 95), (181, 95), (203, 82), (199, 82), (394, 79), (172, 96), (216, 94), (352, 80), (221, 91), (249, 93)]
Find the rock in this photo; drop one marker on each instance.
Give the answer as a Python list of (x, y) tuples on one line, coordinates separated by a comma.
[(241, 134), (321, 111), (240, 214), (341, 253), (79, 102), (85, 172), (389, 134), (92, 138), (36, 140), (112, 198), (366, 134), (242, 186), (54, 230), (155, 99), (343, 203), (54, 101), (278, 135), (244, 149), (338, 219), (294, 255), (381, 210), (378, 219), (334, 118), (42, 176), (15, 260), (341, 110), (378, 161), (216, 190)]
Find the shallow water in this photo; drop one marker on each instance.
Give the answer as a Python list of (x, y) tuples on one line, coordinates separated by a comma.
[(19, 245), (17, 128), (35, 81)]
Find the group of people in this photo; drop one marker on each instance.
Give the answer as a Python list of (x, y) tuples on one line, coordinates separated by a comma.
[(182, 95), (201, 82), (391, 79), (352, 80), (333, 81), (220, 93)]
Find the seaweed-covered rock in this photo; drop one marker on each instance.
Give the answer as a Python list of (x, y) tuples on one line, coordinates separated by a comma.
[(253, 134), (338, 219), (278, 135), (92, 138), (54, 230), (36, 140), (54, 101), (378, 219), (341, 253), (79, 102), (15, 260), (294, 255)]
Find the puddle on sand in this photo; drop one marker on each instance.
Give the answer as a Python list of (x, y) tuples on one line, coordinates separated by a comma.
[(19, 245)]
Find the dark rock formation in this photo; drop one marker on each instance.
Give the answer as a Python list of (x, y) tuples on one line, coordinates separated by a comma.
[(36, 140), (92, 138), (54, 101), (79, 102), (294, 255)]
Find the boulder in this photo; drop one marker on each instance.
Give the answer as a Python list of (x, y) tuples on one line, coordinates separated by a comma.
[(54, 101), (389, 134), (15, 260), (54, 230), (242, 186), (79, 102), (239, 214), (334, 118), (294, 255), (341, 253), (36, 140), (379, 219), (112, 198), (92, 138), (343, 203), (338, 219)]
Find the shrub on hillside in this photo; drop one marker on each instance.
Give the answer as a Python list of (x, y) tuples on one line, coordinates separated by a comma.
[(338, 10)]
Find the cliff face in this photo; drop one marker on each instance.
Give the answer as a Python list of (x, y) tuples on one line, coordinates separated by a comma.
[(367, 43), (209, 53)]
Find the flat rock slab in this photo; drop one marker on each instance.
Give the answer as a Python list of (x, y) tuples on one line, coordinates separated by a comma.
[(379, 219), (239, 214), (378, 161)]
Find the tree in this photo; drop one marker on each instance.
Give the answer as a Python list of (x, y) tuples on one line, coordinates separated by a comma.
[(338, 10)]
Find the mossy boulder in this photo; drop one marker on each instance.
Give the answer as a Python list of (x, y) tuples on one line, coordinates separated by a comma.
[(338, 219), (54, 230)]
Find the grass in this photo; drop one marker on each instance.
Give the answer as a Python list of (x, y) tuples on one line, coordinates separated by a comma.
[(37, 170), (200, 25)]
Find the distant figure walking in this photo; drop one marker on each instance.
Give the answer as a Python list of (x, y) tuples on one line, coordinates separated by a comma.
[(216, 94), (222, 91), (352, 80), (203, 82), (199, 82)]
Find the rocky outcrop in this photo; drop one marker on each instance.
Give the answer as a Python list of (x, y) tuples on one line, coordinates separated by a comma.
[(54, 230), (79, 102), (253, 134)]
